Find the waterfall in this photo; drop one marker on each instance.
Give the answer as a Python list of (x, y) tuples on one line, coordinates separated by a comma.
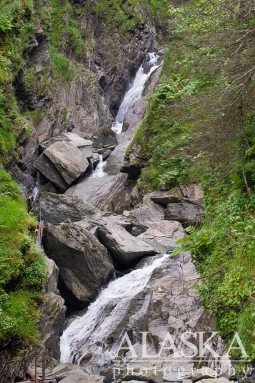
[(89, 333), (132, 95), (38, 184), (99, 171), (136, 89)]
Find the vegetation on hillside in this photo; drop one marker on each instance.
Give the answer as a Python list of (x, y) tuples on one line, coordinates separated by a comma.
[(200, 127), (22, 268)]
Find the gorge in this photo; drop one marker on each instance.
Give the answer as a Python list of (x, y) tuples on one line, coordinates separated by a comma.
[(127, 134)]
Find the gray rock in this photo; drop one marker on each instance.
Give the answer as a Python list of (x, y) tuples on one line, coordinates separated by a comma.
[(203, 373), (106, 153), (104, 137), (213, 380), (136, 375), (146, 214), (85, 146), (79, 376), (52, 313), (184, 212), (61, 163), (56, 208), (123, 246), (84, 264), (163, 234), (105, 193), (192, 193), (63, 370)]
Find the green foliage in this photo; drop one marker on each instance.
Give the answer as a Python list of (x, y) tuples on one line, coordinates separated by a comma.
[(22, 267), (200, 127), (61, 66), (123, 17)]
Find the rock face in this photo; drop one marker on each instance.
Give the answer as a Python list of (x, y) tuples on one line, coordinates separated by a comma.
[(123, 246), (84, 265), (56, 208), (62, 163), (184, 212)]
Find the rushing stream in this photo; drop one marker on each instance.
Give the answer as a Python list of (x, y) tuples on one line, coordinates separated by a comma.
[(88, 335), (104, 315)]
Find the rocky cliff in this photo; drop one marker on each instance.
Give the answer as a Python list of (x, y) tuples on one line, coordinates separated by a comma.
[(60, 89)]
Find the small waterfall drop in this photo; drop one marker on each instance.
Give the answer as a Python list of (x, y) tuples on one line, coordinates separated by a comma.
[(99, 171), (38, 184), (90, 332), (136, 89)]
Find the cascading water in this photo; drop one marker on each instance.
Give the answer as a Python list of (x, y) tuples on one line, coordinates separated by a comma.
[(99, 171), (132, 95), (38, 184), (136, 89), (89, 334)]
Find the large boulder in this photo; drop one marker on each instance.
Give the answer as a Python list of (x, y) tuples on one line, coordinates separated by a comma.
[(62, 163), (125, 248), (104, 137), (146, 214), (105, 193), (185, 212), (162, 236), (84, 264), (56, 208)]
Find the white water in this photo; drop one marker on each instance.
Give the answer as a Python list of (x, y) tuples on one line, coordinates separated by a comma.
[(99, 171), (132, 95), (103, 316), (135, 91), (38, 184)]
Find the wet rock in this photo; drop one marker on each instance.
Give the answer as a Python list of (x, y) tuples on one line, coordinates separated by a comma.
[(184, 212), (146, 214), (104, 137), (56, 208), (61, 163), (106, 154), (164, 235), (104, 193), (125, 248), (84, 264)]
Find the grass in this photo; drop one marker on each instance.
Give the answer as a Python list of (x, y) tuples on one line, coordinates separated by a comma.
[(22, 267)]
